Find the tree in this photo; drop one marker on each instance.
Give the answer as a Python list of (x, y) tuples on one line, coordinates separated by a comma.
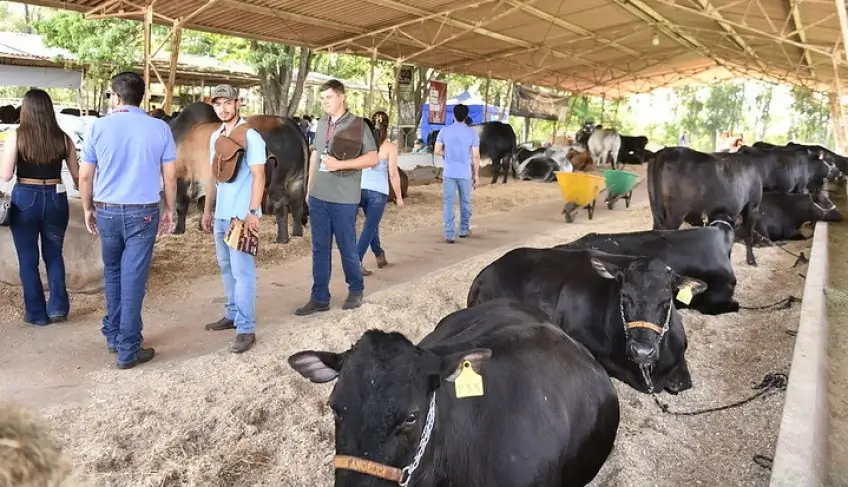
[(723, 109), (275, 65)]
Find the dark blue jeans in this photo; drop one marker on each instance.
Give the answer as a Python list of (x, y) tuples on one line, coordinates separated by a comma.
[(328, 220), (373, 204), (40, 212), (127, 234)]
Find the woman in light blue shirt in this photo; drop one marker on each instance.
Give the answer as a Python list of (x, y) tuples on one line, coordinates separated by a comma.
[(375, 190)]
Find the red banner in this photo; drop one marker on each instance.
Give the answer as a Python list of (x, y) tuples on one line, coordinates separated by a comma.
[(438, 101)]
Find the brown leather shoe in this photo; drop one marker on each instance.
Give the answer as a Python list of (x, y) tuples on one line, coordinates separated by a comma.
[(222, 324), (243, 342), (381, 260), (144, 355), (365, 272)]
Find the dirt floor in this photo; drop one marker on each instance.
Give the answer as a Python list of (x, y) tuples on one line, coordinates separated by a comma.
[(222, 420), (837, 310), (179, 259)]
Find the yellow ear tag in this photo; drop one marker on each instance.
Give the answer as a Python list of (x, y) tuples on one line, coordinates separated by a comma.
[(684, 295), (469, 383)]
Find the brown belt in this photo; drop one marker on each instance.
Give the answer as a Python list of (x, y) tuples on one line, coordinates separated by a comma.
[(40, 182), (100, 204)]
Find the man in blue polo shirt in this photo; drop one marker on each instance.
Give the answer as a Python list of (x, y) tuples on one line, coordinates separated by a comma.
[(130, 152), (242, 199), (459, 145)]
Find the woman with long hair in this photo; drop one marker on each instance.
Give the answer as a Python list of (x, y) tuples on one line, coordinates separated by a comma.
[(375, 190), (34, 153)]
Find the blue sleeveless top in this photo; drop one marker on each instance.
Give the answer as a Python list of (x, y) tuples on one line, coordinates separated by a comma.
[(377, 178)]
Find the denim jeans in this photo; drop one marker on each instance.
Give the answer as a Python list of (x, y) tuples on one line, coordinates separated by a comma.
[(40, 212), (238, 273), (373, 203), (450, 187), (328, 220), (127, 234)]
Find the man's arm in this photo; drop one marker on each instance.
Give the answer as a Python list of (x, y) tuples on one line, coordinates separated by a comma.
[(88, 166), (169, 171), (255, 158), (313, 166), (475, 155)]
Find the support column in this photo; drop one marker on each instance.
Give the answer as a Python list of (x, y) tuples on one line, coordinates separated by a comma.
[(146, 26), (836, 114), (172, 73), (370, 104), (486, 99), (843, 24)]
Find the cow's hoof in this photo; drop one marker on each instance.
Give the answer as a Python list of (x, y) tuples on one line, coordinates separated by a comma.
[(297, 234), (179, 231), (282, 240)]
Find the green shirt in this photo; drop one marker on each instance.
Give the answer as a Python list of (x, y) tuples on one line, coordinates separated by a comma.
[(339, 186)]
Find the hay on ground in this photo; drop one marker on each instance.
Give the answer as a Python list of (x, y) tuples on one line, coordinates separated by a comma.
[(249, 420)]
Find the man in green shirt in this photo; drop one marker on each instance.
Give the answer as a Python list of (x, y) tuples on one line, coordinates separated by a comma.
[(333, 194)]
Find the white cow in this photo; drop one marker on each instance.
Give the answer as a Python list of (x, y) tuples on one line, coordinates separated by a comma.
[(603, 144)]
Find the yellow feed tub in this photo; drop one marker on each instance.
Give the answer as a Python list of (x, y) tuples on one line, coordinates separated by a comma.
[(579, 189)]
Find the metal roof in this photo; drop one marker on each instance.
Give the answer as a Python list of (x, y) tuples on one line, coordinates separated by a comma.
[(611, 47)]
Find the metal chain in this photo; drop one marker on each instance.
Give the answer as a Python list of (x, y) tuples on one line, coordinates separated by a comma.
[(406, 473)]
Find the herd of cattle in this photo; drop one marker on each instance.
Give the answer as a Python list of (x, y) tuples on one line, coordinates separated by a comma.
[(515, 389)]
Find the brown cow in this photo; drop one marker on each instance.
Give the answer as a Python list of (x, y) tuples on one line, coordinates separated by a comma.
[(581, 161), (404, 186)]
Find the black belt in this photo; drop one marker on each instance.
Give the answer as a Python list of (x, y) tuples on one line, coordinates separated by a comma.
[(118, 205)]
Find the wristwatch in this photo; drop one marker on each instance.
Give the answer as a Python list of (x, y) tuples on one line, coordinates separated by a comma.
[(254, 212)]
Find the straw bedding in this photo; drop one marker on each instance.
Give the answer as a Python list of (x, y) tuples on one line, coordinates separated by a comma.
[(225, 420), (179, 259)]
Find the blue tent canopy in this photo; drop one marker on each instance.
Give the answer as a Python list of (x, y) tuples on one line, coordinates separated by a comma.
[(475, 106)]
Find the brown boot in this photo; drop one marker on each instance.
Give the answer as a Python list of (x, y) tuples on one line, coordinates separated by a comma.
[(222, 324), (381, 260), (365, 272), (243, 342)]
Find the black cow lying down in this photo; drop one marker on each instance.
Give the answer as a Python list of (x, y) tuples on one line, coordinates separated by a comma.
[(703, 253), (548, 413), (783, 216), (620, 307)]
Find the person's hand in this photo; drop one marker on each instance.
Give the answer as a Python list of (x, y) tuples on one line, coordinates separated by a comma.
[(399, 202), (474, 180), (166, 221), (91, 221), (251, 223), (206, 221), (333, 164)]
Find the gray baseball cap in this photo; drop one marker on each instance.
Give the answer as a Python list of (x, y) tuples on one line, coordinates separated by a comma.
[(225, 91)]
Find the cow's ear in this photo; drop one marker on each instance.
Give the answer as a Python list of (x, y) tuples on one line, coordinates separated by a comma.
[(319, 367), (452, 364), (606, 270), (697, 286)]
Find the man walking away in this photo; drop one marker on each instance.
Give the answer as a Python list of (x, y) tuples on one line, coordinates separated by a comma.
[(128, 150), (459, 145), (242, 199), (333, 194)]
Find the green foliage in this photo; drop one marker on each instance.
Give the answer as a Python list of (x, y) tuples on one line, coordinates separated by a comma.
[(810, 116), (107, 45)]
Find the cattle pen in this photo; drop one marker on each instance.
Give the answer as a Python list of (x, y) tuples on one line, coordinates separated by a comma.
[(214, 419)]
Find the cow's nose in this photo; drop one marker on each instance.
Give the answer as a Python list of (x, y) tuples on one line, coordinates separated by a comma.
[(642, 354)]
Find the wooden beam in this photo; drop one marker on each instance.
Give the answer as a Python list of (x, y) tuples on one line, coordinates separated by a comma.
[(720, 20), (172, 71), (843, 24), (795, 15), (146, 27)]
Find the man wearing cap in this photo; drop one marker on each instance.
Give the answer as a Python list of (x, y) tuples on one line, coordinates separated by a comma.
[(242, 199)]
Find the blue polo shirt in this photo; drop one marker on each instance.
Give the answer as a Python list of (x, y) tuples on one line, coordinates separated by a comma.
[(128, 147), (458, 139), (233, 199)]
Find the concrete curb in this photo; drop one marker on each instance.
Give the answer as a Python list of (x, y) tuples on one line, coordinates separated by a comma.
[(801, 454)]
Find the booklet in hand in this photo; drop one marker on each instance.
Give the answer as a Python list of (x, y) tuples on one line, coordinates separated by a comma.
[(241, 239)]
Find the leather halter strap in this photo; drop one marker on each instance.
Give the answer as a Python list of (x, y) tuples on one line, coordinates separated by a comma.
[(368, 467), (643, 324)]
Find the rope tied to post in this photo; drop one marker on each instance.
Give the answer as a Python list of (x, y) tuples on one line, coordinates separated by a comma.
[(772, 382)]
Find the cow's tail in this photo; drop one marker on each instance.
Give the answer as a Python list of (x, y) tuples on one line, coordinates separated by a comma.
[(654, 175)]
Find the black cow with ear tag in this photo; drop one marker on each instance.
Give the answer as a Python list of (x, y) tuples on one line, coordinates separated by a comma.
[(495, 396)]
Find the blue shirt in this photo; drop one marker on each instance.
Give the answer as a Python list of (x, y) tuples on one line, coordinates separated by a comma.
[(128, 147), (458, 139), (376, 178), (233, 199)]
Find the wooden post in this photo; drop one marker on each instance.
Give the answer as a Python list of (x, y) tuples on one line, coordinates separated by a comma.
[(486, 99), (147, 25), (570, 111), (839, 128), (603, 108), (172, 73), (371, 84), (843, 24)]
